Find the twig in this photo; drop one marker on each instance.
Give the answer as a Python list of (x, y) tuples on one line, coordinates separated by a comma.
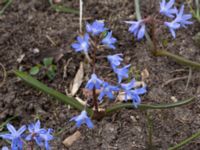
[(4, 75), (189, 78), (81, 15), (50, 39), (173, 80)]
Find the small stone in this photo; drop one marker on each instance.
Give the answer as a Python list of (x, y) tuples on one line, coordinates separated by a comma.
[(71, 139)]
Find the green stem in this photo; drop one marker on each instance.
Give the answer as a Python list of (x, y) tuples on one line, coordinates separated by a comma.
[(186, 141), (149, 130), (59, 96), (117, 107), (8, 3), (178, 59)]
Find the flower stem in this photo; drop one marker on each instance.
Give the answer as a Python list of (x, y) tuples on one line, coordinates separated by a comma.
[(95, 102)]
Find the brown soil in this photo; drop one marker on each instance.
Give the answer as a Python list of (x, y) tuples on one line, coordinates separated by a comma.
[(26, 25)]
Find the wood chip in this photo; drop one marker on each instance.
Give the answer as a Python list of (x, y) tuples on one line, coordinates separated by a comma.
[(71, 139), (145, 74), (77, 80), (19, 60)]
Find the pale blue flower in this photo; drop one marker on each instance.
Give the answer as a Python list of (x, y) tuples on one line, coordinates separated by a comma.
[(81, 119), (108, 91), (82, 43), (46, 137), (166, 8), (109, 40), (131, 92), (96, 27), (94, 82), (115, 60), (137, 28), (122, 72), (4, 148), (35, 133), (14, 136), (181, 20)]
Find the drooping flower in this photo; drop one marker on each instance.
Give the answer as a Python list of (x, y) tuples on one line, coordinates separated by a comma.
[(137, 28), (81, 119), (133, 93), (94, 82), (96, 27), (122, 72), (46, 137), (35, 133), (109, 40), (166, 8), (14, 136), (82, 43), (115, 60), (108, 91)]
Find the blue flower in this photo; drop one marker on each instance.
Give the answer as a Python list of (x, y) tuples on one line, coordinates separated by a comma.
[(46, 137), (172, 27), (107, 90), (82, 43), (14, 136), (132, 93), (115, 60), (109, 40), (96, 27), (81, 119), (35, 133), (137, 28), (181, 20), (5, 148), (122, 72), (166, 8), (94, 82)]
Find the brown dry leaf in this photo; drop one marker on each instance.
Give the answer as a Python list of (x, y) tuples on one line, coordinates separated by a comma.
[(77, 80), (145, 74), (71, 139)]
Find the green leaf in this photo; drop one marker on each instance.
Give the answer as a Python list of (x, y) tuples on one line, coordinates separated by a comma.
[(117, 107), (186, 141), (34, 70), (57, 95), (47, 61)]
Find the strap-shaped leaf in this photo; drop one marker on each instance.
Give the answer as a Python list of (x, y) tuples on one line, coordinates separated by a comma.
[(59, 96), (149, 106)]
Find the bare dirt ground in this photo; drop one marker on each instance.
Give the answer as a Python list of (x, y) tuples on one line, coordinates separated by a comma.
[(26, 25)]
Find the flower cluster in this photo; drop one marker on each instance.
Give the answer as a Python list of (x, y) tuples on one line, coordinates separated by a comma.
[(167, 9), (106, 89), (40, 135), (94, 29)]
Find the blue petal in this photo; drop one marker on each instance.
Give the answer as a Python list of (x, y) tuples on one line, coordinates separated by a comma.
[(21, 130), (89, 123), (11, 129)]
